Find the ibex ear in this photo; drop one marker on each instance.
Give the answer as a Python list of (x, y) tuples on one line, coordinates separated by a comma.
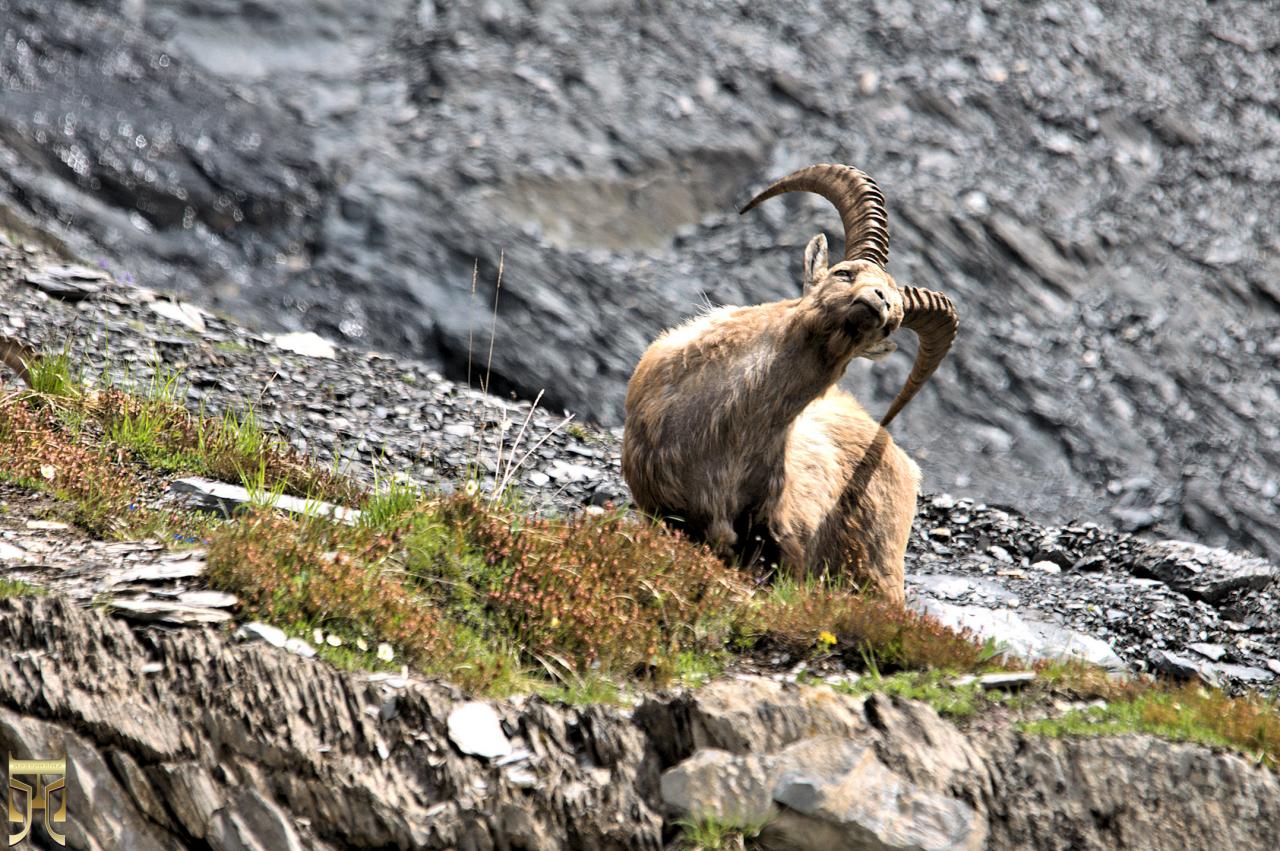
[(815, 260)]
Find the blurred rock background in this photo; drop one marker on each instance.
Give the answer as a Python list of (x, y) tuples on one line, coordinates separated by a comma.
[(1095, 186)]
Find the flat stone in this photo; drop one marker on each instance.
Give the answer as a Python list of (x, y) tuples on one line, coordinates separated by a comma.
[(160, 611), (273, 635), (1203, 572), (1009, 681), (1212, 652), (298, 647), (1246, 673), (209, 599), (224, 498), (162, 571), (947, 587), (181, 312), (307, 343), (1025, 637), (1180, 666), (69, 283), (476, 729), (563, 471)]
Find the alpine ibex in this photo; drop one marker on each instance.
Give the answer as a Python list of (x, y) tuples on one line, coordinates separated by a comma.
[(735, 429)]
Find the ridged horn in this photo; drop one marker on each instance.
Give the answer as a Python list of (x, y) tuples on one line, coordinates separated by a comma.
[(854, 195), (934, 319)]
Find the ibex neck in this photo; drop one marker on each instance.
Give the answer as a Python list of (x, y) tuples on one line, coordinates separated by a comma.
[(807, 357)]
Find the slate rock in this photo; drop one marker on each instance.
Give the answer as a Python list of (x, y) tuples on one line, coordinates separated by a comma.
[(716, 784), (69, 283), (161, 611), (837, 794), (1212, 652), (1023, 635), (1203, 572), (1181, 667)]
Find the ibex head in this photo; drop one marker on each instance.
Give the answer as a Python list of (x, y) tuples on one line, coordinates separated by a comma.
[(858, 288)]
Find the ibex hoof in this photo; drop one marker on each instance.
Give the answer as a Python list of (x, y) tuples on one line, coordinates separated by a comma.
[(722, 538)]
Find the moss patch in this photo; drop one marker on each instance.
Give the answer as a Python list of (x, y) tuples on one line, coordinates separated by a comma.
[(1249, 724)]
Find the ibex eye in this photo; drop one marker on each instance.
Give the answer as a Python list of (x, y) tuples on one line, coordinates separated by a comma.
[(843, 274)]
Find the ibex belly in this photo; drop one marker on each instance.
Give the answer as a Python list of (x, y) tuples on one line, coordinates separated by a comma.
[(848, 498)]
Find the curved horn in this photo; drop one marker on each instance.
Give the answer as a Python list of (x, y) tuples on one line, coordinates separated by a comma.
[(855, 196), (934, 319), (866, 237)]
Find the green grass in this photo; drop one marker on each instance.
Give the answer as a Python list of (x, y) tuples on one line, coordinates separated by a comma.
[(711, 834), (935, 688), (52, 375), (232, 347), (390, 502), (583, 691), (18, 588), (1249, 724)]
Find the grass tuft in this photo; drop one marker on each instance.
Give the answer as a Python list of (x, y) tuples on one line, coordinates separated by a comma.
[(712, 834), (800, 616), (18, 588)]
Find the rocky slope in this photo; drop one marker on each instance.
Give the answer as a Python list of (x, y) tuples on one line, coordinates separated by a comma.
[(1094, 186), (184, 734), (1116, 599), (181, 739)]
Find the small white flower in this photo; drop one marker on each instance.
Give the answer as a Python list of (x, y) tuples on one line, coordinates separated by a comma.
[(385, 653)]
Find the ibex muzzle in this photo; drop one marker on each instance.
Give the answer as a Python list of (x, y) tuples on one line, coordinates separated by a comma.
[(735, 427)]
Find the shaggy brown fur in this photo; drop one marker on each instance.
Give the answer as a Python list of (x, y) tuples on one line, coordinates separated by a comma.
[(16, 356), (734, 423)]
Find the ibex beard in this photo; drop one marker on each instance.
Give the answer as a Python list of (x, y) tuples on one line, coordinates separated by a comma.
[(735, 428)]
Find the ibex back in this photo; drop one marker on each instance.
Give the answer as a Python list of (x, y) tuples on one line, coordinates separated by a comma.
[(735, 427)]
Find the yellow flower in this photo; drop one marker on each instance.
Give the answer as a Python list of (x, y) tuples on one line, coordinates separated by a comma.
[(826, 638)]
